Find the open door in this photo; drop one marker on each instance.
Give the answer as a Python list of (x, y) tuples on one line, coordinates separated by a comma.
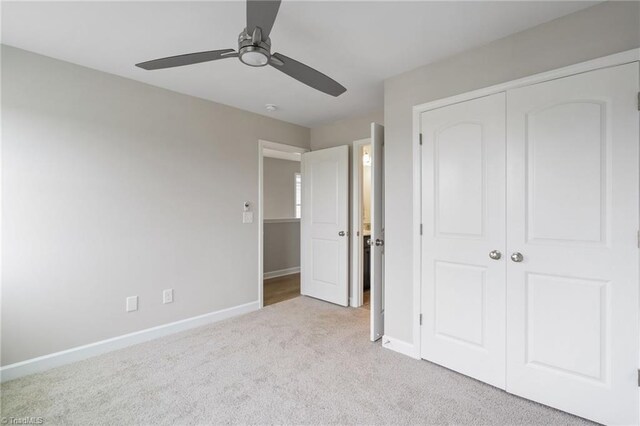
[(377, 231), (324, 225)]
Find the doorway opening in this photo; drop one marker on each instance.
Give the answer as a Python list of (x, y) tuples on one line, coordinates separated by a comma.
[(361, 223), (280, 207)]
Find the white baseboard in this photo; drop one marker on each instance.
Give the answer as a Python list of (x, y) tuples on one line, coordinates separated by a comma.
[(281, 272), (42, 363), (400, 346)]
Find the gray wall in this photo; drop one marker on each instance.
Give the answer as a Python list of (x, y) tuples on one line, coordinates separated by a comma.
[(281, 246), (598, 31), (278, 187), (344, 132), (113, 188)]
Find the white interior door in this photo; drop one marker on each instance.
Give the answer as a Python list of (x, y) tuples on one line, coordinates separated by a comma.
[(572, 301), (377, 232), (463, 217), (324, 225)]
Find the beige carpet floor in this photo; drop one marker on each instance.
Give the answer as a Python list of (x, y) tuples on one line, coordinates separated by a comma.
[(301, 361)]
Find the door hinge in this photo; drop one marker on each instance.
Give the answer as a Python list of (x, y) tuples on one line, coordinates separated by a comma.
[(420, 229), (638, 106), (421, 134), (638, 378), (638, 237), (421, 324)]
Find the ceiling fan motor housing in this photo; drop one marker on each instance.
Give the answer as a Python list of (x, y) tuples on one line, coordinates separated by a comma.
[(252, 50)]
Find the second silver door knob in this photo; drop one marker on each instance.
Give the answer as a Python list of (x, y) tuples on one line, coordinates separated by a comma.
[(495, 254)]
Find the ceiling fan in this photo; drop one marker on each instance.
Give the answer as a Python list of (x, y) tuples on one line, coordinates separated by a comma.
[(254, 49)]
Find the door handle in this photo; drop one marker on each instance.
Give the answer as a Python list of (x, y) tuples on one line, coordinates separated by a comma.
[(341, 233), (379, 242), (495, 254), (517, 257)]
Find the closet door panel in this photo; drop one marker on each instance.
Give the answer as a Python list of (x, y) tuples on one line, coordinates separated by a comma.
[(463, 294), (572, 213)]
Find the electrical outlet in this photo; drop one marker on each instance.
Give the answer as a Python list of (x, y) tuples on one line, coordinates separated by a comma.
[(167, 296), (132, 303)]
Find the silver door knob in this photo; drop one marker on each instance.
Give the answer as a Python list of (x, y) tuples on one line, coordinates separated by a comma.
[(370, 242), (341, 233), (379, 242), (495, 254), (517, 257)]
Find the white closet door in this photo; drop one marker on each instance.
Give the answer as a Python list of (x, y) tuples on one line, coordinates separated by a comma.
[(324, 225), (572, 302), (463, 288)]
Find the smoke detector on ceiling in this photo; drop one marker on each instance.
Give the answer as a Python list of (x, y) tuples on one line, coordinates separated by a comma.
[(271, 107)]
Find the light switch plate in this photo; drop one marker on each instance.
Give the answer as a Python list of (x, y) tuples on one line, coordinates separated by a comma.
[(132, 303), (247, 217)]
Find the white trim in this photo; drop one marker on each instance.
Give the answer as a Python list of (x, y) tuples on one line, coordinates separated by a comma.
[(417, 237), (281, 155), (283, 220), (46, 362), (616, 59), (356, 296), (274, 146), (282, 272), (400, 346)]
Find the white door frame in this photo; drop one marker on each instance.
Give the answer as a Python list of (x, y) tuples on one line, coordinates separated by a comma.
[(273, 146), (621, 58), (357, 249)]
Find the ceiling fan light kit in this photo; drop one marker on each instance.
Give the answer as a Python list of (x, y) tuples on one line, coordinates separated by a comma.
[(254, 49)]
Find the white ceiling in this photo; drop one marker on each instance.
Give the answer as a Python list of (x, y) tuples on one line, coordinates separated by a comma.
[(358, 44)]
